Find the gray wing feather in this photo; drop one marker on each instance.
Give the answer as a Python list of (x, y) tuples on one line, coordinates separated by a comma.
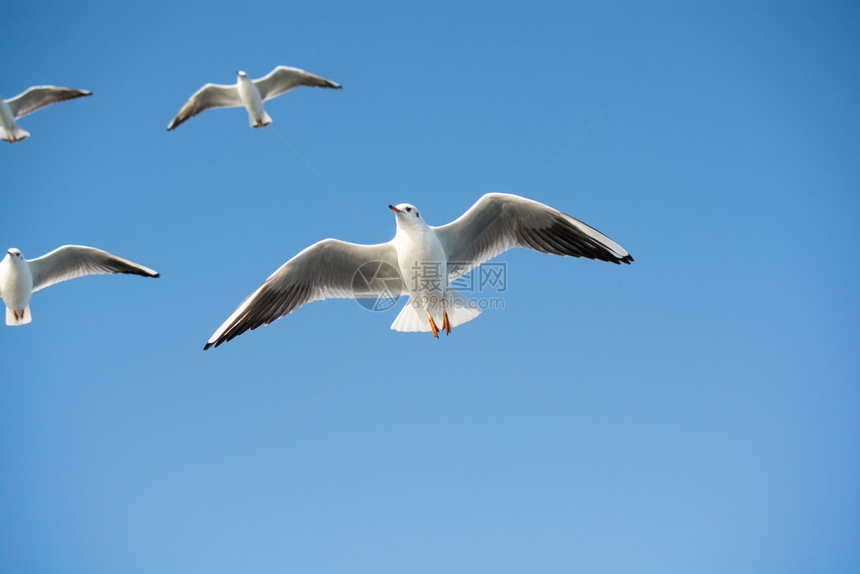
[(70, 261), (38, 97), (328, 269), (284, 78), (499, 221), (209, 96)]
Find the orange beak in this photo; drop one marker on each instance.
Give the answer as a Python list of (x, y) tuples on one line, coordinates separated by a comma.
[(394, 209)]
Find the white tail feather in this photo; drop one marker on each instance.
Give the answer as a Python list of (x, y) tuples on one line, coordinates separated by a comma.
[(413, 316), (11, 319), (266, 120), (17, 135)]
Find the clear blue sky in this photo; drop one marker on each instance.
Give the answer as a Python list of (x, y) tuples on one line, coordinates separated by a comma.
[(716, 377)]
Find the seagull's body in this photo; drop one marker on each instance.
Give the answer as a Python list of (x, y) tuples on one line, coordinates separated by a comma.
[(419, 261), (20, 278), (422, 261), (249, 93), (27, 102), (252, 99)]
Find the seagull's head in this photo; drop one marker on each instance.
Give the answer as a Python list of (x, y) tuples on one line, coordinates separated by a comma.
[(15, 254), (405, 213), (242, 74)]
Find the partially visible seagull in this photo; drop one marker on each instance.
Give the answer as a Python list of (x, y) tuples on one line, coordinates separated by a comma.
[(20, 278), (420, 262), (249, 93), (33, 99)]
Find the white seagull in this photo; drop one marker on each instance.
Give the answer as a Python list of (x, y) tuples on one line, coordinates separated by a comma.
[(249, 93), (20, 278), (420, 262), (33, 99)]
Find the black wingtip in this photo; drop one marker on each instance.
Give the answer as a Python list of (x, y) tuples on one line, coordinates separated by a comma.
[(206, 346), (156, 275)]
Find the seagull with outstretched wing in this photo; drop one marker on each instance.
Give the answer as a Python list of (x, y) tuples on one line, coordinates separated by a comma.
[(20, 278), (33, 99), (249, 93), (419, 262)]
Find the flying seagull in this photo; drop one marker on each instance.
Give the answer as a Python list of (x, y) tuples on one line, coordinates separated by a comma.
[(33, 99), (420, 262), (20, 278), (249, 93)]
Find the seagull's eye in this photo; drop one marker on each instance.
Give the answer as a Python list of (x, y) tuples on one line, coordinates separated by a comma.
[(408, 209)]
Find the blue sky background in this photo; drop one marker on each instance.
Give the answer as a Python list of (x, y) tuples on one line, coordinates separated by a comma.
[(716, 377)]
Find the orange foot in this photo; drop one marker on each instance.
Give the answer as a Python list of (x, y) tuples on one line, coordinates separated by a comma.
[(445, 323), (433, 326)]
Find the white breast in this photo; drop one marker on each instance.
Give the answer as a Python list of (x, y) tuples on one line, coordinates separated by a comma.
[(16, 283), (422, 261), (7, 118), (250, 96)]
